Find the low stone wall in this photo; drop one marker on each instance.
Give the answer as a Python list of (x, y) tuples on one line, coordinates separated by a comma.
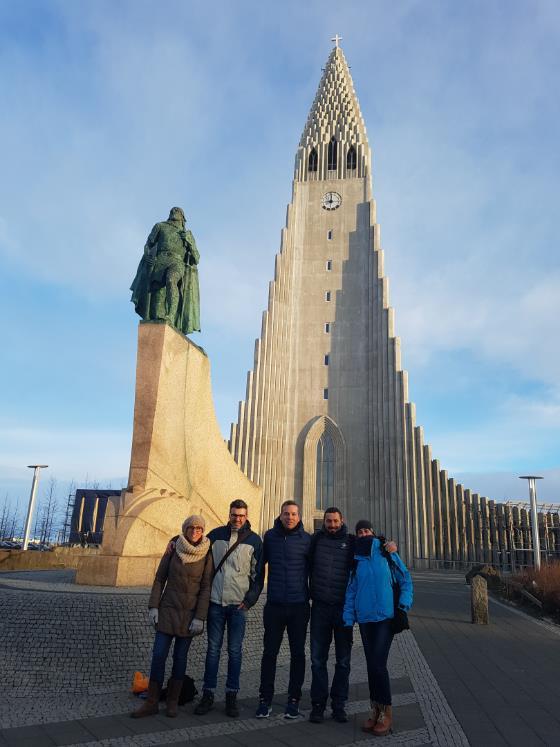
[(60, 557)]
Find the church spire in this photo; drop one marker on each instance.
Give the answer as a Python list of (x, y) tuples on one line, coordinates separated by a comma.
[(334, 142)]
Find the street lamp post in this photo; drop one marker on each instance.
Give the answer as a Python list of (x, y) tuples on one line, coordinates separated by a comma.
[(27, 530), (534, 518)]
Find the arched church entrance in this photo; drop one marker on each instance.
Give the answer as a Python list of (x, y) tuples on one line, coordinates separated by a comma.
[(324, 471)]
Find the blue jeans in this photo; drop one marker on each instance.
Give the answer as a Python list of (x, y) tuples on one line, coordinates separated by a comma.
[(377, 638), (218, 618), (162, 645), (326, 622)]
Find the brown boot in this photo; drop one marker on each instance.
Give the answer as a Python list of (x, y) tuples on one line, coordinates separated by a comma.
[(150, 707), (372, 720), (173, 692), (384, 721)]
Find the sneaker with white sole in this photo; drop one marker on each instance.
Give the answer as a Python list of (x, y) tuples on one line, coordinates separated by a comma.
[(292, 708), (264, 709)]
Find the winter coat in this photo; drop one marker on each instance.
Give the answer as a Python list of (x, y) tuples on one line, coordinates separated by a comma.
[(241, 577), (287, 555), (331, 561), (369, 596), (181, 592)]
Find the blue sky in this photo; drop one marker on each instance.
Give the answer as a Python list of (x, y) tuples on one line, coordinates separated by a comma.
[(112, 112)]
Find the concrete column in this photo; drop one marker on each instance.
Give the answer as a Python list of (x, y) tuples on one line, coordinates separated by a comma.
[(445, 518), (485, 530), (478, 554), (436, 493), (461, 523), (424, 532), (470, 526), (453, 519), (429, 501)]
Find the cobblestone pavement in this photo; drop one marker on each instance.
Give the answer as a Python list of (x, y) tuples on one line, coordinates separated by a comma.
[(67, 655)]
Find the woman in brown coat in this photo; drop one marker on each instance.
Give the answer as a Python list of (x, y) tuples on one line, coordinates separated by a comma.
[(177, 607)]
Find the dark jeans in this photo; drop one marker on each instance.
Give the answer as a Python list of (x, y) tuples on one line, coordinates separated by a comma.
[(218, 618), (276, 619), (162, 644), (377, 638), (326, 621)]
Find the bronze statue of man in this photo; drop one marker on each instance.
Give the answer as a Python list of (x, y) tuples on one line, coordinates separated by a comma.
[(166, 284)]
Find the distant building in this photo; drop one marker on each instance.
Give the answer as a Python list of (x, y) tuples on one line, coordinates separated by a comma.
[(88, 516)]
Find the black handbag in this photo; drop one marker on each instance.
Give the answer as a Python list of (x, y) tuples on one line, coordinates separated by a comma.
[(400, 617)]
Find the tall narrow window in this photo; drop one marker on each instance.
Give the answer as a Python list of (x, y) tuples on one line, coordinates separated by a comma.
[(329, 235), (327, 295), (351, 158), (329, 264), (327, 327), (325, 393), (324, 495), (312, 162), (331, 155), (326, 359)]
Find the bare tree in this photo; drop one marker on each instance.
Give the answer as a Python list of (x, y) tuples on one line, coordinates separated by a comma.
[(4, 517), (65, 534), (50, 509)]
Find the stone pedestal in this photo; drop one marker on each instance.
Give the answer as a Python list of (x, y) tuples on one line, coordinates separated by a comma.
[(179, 463)]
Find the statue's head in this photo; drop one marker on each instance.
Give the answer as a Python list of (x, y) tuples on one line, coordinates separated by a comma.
[(177, 214)]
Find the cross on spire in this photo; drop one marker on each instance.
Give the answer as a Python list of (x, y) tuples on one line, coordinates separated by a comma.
[(336, 38)]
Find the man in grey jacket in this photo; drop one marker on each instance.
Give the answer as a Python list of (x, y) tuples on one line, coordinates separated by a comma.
[(238, 559)]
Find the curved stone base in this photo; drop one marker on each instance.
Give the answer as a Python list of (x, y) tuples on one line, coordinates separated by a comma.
[(179, 464)]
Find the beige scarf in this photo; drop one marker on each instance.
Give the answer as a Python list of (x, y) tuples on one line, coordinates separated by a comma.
[(191, 553)]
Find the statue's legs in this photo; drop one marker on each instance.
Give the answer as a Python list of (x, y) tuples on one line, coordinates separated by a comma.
[(158, 303), (172, 280)]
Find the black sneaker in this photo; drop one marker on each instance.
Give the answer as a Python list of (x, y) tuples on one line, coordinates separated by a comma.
[(205, 704), (317, 713), (292, 708), (231, 705), (339, 714), (264, 709)]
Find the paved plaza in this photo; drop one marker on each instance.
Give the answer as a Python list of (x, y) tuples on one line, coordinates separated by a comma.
[(67, 654)]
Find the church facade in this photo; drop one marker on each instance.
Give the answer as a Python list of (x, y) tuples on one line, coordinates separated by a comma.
[(326, 419)]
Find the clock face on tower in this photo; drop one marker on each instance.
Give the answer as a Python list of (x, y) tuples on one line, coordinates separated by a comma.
[(331, 200)]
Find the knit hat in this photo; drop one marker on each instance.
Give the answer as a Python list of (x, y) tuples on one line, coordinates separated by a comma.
[(364, 524), (195, 520)]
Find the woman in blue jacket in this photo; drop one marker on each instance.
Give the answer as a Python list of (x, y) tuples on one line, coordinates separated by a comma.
[(369, 602)]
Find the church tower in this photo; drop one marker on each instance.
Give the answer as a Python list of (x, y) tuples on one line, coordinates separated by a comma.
[(326, 418), (323, 417)]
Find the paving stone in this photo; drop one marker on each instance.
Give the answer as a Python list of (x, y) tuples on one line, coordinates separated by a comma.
[(106, 727), (67, 732), (27, 736)]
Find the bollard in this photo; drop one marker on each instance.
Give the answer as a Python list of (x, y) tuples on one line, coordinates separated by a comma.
[(479, 601)]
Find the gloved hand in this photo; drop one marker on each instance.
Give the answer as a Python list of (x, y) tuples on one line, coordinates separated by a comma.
[(153, 615), (196, 627)]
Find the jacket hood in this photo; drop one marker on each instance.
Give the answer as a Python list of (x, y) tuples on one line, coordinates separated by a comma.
[(279, 527)]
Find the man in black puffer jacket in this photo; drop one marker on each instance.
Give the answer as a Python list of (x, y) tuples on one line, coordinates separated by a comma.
[(286, 550), (331, 558)]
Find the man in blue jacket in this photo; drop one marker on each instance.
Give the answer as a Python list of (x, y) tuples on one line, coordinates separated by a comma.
[(286, 550)]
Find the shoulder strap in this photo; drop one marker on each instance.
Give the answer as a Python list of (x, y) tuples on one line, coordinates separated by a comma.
[(240, 538), (392, 565)]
